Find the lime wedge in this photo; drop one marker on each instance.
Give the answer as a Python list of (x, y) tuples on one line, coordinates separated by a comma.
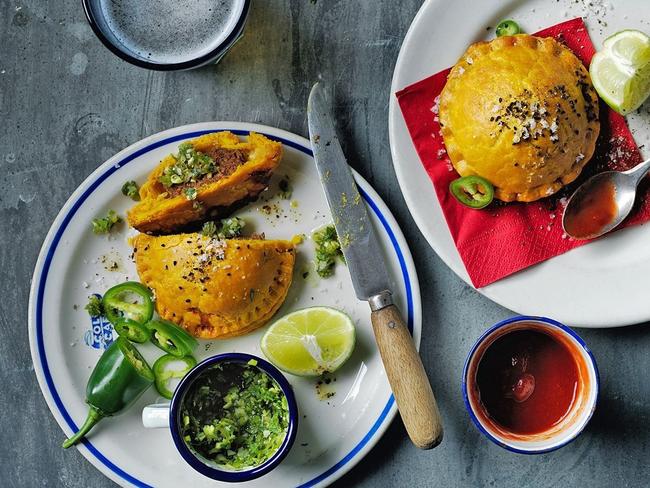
[(310, 342), (620, 72)]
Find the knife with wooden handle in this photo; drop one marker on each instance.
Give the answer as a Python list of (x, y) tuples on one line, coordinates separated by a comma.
[(365, 261)]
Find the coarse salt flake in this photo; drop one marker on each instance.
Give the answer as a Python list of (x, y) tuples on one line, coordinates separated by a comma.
[(436, 105)]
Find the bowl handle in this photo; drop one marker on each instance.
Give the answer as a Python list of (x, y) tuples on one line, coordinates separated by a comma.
[(156, 416)]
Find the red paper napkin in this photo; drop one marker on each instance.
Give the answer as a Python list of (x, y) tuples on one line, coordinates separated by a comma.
[(506, 238)]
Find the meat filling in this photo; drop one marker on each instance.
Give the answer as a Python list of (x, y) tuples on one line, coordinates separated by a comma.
[(226, 162)]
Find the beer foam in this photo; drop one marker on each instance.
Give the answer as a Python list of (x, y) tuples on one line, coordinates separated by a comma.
[(171, 31)]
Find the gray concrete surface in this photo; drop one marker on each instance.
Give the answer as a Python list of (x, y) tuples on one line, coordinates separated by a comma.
[(67, 104)]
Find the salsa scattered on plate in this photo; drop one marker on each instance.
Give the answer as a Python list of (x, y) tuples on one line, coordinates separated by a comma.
[(235, 414), (103, 225), (328, 249)]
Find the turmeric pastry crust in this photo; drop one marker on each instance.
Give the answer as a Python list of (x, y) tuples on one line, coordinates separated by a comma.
[(241, 171), (215, 289), (521, 112)]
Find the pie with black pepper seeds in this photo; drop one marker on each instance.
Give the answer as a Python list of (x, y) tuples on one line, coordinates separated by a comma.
[(521, 112)]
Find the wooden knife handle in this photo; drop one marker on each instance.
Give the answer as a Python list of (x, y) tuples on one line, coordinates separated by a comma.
[(407, 378)]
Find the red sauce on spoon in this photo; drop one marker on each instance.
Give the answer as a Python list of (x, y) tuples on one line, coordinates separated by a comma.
[(527, 381), (595, 210)]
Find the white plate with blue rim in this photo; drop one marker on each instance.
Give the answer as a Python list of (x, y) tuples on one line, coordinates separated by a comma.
[(598, 285), (334, 433)]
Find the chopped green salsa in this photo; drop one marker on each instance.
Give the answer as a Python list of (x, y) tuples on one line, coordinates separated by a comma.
[(226, 229), (235, 414), (190, 166), (328, 248), (105, 224), (190, 193), (130, 189), (209, 229), (94, 307)]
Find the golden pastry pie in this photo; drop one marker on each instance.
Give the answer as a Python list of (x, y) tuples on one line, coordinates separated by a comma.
[(521, 112), (208, 177), (215, 288)]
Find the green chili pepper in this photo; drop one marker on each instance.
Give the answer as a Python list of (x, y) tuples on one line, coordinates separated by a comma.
[(507, 28), (171, 338), (129, 300), (472, 191), (120, 376), (169, 370), (132, 330)]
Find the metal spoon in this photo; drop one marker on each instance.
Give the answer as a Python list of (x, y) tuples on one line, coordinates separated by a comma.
[(624, 184)]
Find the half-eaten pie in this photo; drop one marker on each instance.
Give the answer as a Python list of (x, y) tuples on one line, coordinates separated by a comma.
[(208, 177), (215, 288), (521, 112)]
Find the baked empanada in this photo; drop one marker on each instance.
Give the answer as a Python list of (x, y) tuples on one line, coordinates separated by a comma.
[(208, 177), (521, 112), (215, 288)]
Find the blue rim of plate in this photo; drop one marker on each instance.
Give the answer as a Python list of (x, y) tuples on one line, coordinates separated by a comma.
[(49, 254), (485, 335)]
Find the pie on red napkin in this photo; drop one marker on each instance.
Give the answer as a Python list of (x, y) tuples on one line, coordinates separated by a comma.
[(505, 238)]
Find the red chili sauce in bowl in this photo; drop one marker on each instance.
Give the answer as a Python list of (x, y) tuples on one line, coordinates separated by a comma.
[(527, 381)]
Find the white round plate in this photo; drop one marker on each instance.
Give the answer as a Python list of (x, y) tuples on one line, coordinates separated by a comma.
[(601, 284), (333, 435)]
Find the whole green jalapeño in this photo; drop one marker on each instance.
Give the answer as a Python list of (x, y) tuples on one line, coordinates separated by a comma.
[(120, 376)]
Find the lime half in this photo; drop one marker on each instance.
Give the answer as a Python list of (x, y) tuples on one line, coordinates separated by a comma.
[(310, 342), (621, 71)]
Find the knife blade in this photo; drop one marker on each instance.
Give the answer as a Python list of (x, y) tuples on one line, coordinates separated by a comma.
[(370, 279), (359, 243)]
